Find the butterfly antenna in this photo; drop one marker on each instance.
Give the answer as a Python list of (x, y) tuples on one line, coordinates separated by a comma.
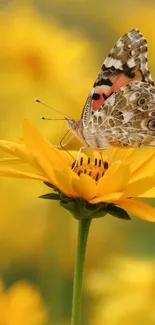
[(54, 109), (51, 119)]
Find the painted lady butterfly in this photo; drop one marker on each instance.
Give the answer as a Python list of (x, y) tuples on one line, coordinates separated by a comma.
[(120, 109)]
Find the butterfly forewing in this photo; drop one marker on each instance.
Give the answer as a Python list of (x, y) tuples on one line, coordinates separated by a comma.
[(126, 63), (120, 109)]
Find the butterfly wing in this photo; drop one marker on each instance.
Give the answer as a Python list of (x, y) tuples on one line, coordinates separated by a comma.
[(126, 62), (127, 118)]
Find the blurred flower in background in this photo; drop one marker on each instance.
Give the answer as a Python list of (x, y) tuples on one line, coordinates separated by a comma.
[(21, 304), (124, 293), (38, 56)]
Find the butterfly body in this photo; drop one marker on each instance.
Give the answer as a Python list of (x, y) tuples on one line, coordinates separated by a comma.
[(120, 109), (86, 136)]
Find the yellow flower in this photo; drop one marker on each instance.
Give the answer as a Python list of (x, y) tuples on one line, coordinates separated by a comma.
[(94, 186), (129, 283), (21, 304)]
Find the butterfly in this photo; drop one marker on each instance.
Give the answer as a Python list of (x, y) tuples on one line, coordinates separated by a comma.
[(120, 109)]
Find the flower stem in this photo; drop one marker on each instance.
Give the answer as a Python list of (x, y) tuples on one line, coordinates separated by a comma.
[(83, 230)]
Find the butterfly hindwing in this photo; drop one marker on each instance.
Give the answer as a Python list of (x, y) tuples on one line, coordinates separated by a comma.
[(127, 118), (126, 63)]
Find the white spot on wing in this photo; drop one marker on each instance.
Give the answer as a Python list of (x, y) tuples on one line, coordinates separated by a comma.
[(99, 89), (119, 43), (109, 62), (103, 88), (97, 114), (131, 63)]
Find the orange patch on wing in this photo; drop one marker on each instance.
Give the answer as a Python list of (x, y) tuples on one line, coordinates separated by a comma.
[(118, 82), (96, 104), (121, 80)]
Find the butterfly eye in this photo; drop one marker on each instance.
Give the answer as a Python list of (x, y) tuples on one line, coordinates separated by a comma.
[(151, 125), (141, 101)]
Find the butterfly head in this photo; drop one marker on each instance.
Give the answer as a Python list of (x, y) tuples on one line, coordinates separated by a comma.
[(76, 126)]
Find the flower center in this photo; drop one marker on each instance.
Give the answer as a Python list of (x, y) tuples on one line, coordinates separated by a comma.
[(96, 170)]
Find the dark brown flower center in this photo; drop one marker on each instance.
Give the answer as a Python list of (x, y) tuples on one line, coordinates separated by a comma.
[(96, 170)]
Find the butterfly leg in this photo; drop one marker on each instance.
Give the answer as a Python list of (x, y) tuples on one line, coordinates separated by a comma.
[(64, 144), (78, 155), (110, 155), (101, 158), (61, 146)]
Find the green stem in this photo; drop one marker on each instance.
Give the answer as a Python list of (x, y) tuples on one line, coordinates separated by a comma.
[(83, 231)]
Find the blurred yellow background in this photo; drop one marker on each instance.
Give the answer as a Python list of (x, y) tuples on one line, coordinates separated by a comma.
[(53, 50)]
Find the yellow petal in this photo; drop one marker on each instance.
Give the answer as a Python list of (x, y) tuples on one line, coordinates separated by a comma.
[(139, 185), (7, 161), (84, 186), (15, 149), (114, 180), (18, 150), (122, 154), (148, 194), (48, 171), (8, 172), (64, 181), (36, 143), (137, 208), (142, 161), (109, 198)]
